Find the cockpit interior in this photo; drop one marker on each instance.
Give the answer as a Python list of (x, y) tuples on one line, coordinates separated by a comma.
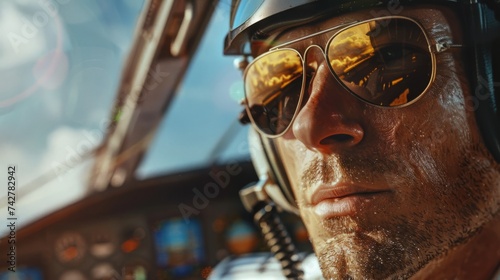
[(122, 154)]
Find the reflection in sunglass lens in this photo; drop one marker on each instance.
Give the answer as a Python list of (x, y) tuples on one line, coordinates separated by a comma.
[(384, 62), (272, 90)]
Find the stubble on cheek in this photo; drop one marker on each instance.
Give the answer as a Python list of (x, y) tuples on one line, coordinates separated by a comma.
[(447, 190)]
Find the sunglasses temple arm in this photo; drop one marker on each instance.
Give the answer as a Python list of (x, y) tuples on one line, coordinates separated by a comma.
[(442, 47)]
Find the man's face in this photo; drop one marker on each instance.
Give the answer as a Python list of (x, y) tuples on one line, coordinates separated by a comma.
[(383, 191)]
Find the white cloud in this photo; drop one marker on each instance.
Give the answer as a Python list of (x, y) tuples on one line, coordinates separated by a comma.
[(22, 41), (63, 160), (50, 197), (67, 147)]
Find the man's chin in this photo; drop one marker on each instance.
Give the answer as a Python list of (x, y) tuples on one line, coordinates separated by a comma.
[(356, 255)]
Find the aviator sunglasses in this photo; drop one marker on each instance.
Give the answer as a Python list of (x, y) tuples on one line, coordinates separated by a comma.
[(386, 62)]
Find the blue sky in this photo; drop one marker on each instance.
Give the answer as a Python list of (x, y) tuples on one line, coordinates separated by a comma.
[(59, 69), (60, 65), (203, 109)]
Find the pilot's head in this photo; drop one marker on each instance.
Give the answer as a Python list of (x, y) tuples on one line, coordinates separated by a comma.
[(379, 124)]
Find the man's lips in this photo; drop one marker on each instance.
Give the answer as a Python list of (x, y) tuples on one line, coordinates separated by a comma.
[(344, 200)]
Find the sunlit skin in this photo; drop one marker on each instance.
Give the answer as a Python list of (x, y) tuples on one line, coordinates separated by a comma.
[(417, 192)]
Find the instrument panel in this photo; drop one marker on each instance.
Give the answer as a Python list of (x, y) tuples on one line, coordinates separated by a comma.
[(112, 248), (153, 229), (136, 232)]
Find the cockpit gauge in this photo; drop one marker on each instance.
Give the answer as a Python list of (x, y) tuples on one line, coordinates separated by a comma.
[(102, 245), (73, 275), (133, 239), (105, 271), (70, 247)]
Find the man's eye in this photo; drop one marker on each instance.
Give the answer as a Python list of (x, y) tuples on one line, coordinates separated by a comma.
[(391, 53), (399, 56)]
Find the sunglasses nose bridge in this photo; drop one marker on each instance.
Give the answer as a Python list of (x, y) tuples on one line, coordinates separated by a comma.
[(313, 56)]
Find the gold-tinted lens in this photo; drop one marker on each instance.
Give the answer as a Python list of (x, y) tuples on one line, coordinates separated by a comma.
[(273, 83), (384, 62)]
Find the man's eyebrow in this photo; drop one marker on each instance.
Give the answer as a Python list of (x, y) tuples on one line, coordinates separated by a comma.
[(263, 38), (269, 36), (314, 34)]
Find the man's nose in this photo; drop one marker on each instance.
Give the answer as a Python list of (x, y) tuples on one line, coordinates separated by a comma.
[(329, 120)]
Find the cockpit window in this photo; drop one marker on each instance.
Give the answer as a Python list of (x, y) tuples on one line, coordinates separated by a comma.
[(200, 127), (60, 66)]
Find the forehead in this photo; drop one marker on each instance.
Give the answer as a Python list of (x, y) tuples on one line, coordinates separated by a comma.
[(437, 21)]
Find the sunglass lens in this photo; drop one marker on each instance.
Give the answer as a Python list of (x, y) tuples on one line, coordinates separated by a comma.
[(384, 62), (273, 83)]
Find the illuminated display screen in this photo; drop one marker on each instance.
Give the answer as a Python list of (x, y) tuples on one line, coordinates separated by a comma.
[(179, 248), (22, 274)]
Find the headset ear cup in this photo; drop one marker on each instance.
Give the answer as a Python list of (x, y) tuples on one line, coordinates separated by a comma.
[(494, 5), (258, 154), (267, 164), (495, 58), (493, 30), (481, 32)]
